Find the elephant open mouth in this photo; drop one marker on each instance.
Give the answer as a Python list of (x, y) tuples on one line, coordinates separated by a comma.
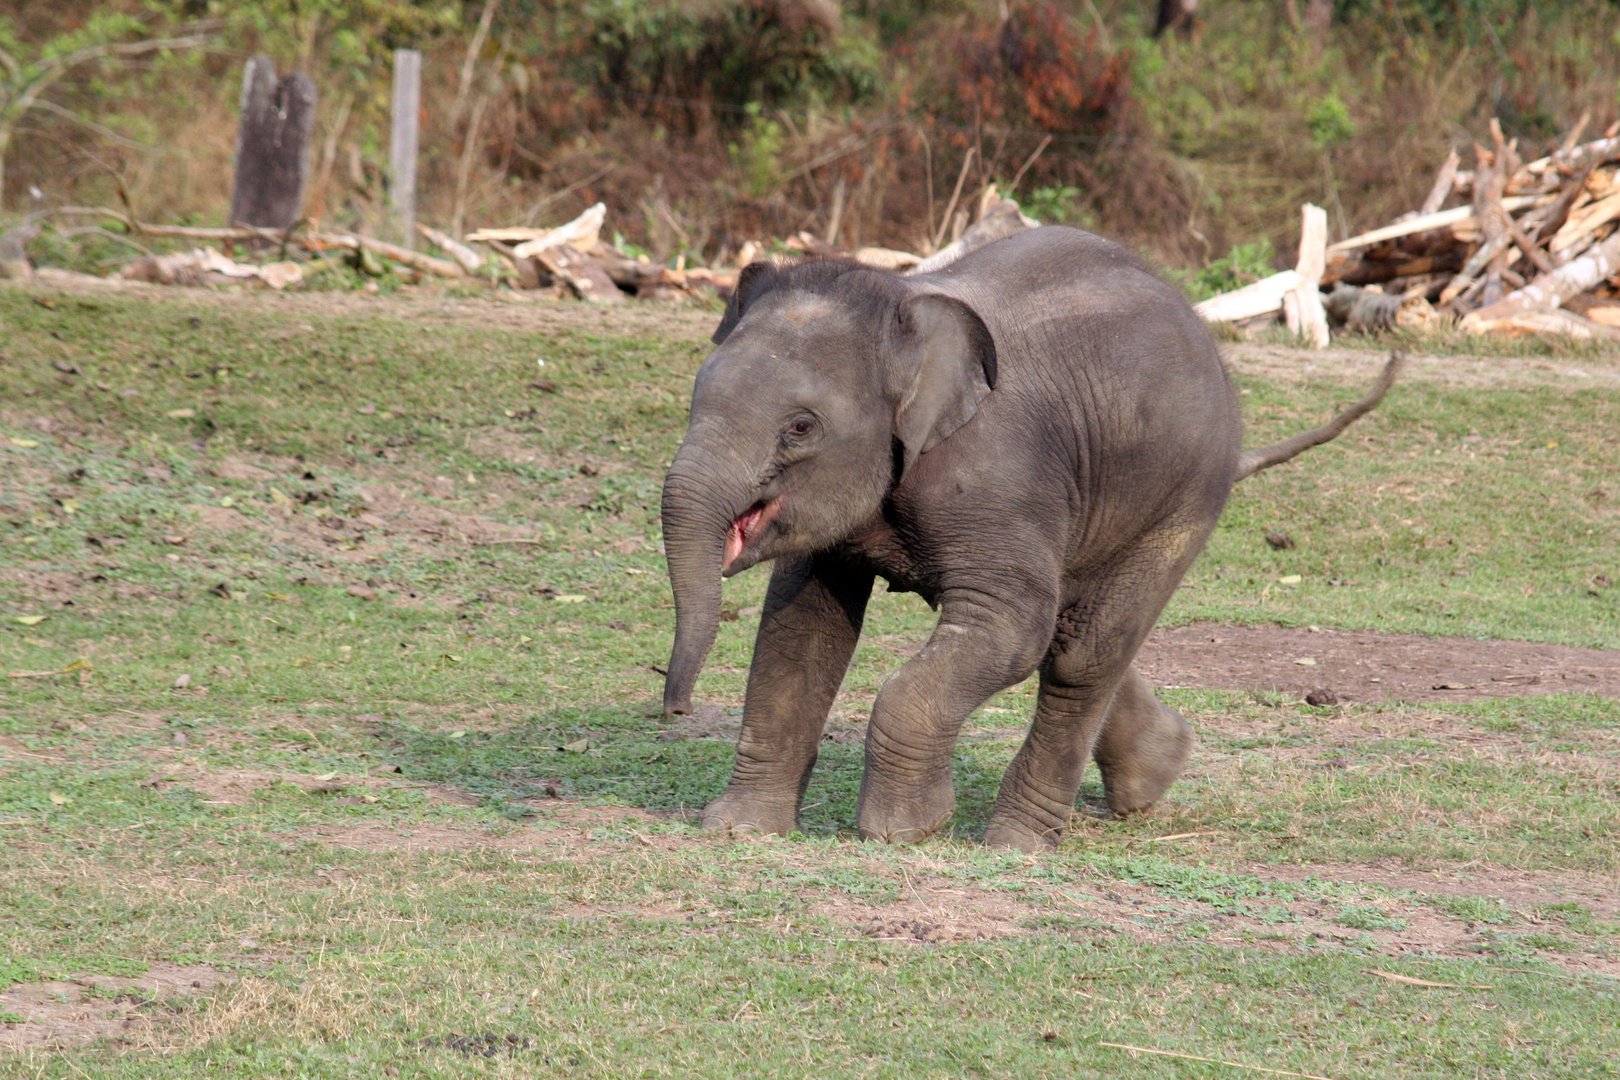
[(745, 529)]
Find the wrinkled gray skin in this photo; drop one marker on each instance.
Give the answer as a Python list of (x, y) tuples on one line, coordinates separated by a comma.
[(1037, 439)]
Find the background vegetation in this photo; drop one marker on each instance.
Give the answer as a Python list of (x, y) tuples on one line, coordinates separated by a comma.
[(706, 123)]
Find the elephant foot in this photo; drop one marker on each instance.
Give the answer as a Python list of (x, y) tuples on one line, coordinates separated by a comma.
[(1008, 832), (905, 820), (740, 816), (902, 833), (1141, 751)]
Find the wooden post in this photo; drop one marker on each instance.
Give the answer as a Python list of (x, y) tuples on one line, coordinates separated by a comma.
[(272, 146), (403, 145)]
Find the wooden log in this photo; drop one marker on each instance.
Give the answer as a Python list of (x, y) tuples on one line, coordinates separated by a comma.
[(466, 256), (886, 258), (404, 256), (1548, 219), (1488, 181), (1367, 271), (581, 234), (1557, 321), (1589, 219), (1264, 297), (527, 272), (517, 234), (1576, 158), (196, 232), (1463, 216), (1493, 218), (1000, 222), (1550, 290), (1302, 305), (352, 241), (1527, 246), (629, 274), (1443, 184), (577, 270), (1476, 263), (272, 146)]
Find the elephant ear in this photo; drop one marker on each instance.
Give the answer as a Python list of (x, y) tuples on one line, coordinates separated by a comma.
[(756, 279), (944, 365)]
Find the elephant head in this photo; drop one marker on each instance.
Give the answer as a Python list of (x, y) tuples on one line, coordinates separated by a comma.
[(829, 379)]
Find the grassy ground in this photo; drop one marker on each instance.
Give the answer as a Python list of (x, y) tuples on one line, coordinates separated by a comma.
[(340, 616)]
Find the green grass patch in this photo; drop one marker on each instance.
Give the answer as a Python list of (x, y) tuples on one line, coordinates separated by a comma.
[(340, 626)]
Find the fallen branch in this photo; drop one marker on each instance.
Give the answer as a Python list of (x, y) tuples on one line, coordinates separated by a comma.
[(404, 256), (1410, 981), (1212, 1061), (352, 241), (961, 178)]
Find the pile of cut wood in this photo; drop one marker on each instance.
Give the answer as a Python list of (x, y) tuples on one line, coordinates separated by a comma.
[(574, 258), (1529, 248)]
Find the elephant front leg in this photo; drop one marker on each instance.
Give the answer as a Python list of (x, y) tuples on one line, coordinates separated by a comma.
[(906, 792), (1039, 790), (807, 633)]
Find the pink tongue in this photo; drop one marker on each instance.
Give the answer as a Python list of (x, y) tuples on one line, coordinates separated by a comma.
[(734, 546), (737, 536)]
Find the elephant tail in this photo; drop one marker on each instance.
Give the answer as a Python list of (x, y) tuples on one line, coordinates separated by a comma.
[(1252, 461)]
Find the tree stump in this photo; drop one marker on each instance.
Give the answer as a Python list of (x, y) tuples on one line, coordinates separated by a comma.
[(272, 146)]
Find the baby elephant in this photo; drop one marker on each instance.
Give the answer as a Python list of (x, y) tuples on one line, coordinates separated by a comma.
[(1037, 439)]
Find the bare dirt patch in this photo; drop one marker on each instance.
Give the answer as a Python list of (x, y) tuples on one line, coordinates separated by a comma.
[(241, 787), (95, 1008), (1517, 888), (939, 911), (1458, 369), (430, 303), (416, 838), (1363, 666), (935, 908)]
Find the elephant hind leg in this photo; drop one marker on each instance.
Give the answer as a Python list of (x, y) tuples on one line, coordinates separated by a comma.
[(1143, 746), (1086, 669)]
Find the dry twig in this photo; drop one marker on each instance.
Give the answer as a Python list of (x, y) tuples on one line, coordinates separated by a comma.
[(1212, 1061)]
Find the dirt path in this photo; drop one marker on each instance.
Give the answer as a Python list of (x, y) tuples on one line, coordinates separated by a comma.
[(1360, 666)]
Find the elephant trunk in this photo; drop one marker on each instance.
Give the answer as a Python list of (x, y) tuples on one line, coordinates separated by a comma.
[(697, 516)]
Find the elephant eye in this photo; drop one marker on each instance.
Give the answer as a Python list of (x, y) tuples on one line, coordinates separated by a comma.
[(799, 428)]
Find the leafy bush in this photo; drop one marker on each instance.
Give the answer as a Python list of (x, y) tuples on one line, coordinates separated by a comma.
[(658, 57), (758, 152), (1053, 205), (1243, 265)]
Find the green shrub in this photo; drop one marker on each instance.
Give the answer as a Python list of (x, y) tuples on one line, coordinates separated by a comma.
[(1243, 265)]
